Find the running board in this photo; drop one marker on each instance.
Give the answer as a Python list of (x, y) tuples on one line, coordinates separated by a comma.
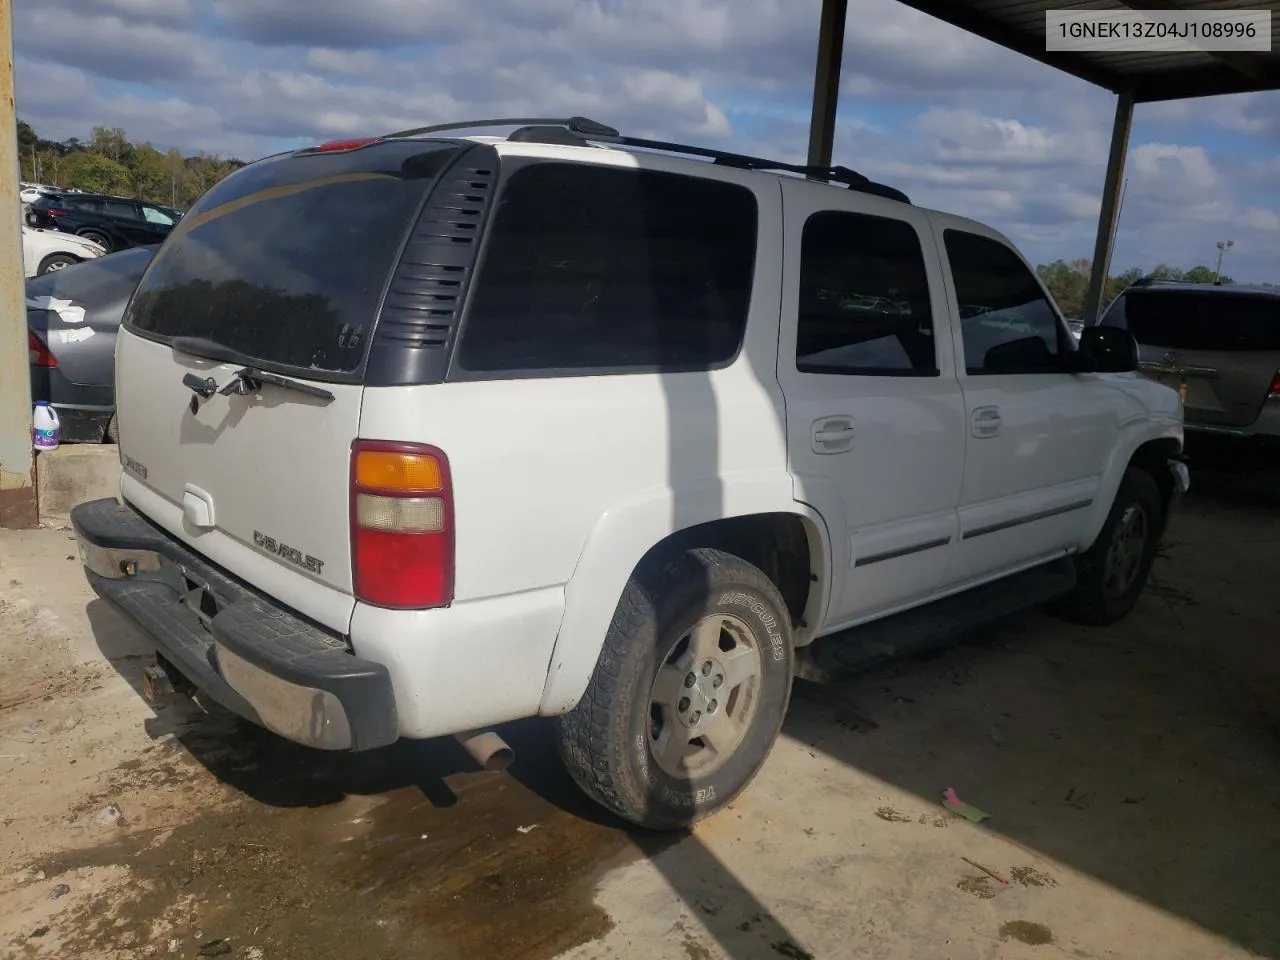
[(934, 625)]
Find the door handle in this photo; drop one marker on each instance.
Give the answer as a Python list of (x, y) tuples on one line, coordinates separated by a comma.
[(832, 436), (986, 422)]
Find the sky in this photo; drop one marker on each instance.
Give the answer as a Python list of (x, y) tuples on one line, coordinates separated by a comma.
[(958, 123)]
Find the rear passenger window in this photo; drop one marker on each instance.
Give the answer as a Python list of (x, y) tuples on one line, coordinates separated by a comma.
[(1007, 323), (598, 269), (864, 298), (115, 208)]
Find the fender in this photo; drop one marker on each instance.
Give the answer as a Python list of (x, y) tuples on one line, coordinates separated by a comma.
[(1133, 434), (619, 541)]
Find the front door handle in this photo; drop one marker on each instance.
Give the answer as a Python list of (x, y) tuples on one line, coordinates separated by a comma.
[(832, 436), (986, 422)]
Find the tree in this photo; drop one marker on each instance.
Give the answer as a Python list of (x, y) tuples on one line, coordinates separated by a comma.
[(95, 173), (111, 163), (110, 143)]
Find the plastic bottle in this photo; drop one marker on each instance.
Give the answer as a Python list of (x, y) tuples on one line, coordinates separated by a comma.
[(45, 426)]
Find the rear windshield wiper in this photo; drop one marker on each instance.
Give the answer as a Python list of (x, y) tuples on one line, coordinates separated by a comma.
[(245, 380), (249, 379)]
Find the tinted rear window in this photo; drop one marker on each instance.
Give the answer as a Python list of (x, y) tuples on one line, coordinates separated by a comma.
[(1179, 320), (593, 269), (285, 260)]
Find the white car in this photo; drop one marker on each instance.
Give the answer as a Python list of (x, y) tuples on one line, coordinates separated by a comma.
[(44, 251), (574, 425)]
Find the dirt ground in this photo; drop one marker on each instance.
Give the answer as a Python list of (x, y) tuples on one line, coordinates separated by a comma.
[(1131, 775)]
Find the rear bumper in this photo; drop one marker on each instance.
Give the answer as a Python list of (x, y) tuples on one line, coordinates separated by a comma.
[(248, 653), (1266, 425)]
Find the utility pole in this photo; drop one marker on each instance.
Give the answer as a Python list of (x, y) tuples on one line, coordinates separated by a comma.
[(1222, 251), (17, 461)]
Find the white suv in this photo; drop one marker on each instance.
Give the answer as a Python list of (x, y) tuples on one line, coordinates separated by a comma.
[(430, 432)]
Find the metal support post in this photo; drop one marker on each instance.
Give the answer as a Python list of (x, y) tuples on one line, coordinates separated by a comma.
[(1110, 207), (826, 82)]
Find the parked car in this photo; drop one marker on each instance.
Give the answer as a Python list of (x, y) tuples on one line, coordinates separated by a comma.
[(44, 251), (560, 425), (73, 316), (33, 191), (1218, 345), (116, 223)]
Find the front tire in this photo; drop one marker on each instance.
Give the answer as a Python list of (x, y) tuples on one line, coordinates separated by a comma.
[(689, 692), (56, 261), (1112, 573)]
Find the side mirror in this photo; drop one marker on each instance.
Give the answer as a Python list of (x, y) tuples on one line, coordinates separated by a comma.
[(1106, 350)]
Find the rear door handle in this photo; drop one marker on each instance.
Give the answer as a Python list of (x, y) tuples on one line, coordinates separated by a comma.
[(832, 436), (986, 422)]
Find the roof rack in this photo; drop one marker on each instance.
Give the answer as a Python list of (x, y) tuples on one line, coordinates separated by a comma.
[(581, 131)]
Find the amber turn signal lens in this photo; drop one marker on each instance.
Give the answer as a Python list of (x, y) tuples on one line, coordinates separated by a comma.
[(388, 470)]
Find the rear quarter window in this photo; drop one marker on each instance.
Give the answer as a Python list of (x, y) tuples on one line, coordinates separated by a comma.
[(285, 261), (599, 269)]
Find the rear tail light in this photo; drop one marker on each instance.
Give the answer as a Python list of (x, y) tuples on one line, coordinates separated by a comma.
[(1273, 391), (58, 213), (401, 525), (38, 353)]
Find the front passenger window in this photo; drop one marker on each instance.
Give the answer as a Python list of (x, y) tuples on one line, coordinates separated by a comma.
[(1007, 323)]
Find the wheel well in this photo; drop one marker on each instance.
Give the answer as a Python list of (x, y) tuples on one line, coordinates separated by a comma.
[(1152, 457), (778, 543), (60, 253)]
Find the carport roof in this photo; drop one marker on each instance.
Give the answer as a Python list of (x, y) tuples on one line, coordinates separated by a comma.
[(1020, 25)]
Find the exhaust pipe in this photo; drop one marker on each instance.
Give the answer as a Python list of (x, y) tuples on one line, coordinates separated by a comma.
[(487, 749)]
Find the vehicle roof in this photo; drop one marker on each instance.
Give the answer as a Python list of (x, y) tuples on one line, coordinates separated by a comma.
[(616, 154), (84, 195)]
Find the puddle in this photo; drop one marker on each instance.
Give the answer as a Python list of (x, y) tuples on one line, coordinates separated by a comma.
[(1024, 931), (407, 853)]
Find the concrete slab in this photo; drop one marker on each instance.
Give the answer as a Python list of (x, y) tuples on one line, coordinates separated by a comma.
[(72, 474)]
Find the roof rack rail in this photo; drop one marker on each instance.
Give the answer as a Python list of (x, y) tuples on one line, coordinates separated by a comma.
[(579, 125), (582, 131)]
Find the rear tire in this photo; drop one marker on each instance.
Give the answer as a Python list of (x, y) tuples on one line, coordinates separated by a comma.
[(1112, 573), (689, 692), (113, 430), (98, 237), (56, 261)]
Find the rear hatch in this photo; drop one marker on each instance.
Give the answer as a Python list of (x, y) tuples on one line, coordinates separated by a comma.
[(1223, 344), (239, 370)]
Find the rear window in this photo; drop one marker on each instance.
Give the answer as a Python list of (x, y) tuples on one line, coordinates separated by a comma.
[(1187, 320), (285, 260), (599, 269)]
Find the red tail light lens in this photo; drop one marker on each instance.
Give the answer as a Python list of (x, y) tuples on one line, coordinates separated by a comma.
[(38, 353), (1273, 391), (58, 213), (401, 525)]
